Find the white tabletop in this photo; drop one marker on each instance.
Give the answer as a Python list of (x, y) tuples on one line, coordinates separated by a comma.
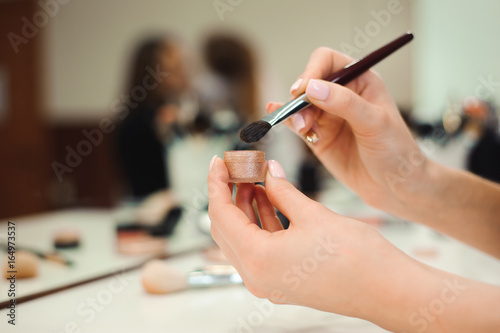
[(96, 255), (226, 309), (121, 305)]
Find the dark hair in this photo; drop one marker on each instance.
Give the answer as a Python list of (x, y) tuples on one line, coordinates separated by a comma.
[(230, 57), (148, 56)]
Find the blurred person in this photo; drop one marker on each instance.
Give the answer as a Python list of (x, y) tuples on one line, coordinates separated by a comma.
[(233, 92), (152, 121), (468, 138), (338, 264), (228, 92), (484, 157)]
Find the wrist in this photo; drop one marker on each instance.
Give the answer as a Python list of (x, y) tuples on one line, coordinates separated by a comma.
[(408, 302), (416, 197), (421, 298), (405, 287)]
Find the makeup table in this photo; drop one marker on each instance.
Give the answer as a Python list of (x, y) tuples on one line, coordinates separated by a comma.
[(118, 303), (97, 254)]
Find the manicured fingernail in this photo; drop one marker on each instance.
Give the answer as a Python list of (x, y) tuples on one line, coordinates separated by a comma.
[(212, 162), (317, 89), (275, 169), (296, 85), (298, 122)]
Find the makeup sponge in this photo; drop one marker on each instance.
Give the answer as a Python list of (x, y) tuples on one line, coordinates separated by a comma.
[(159, 278), (25, 264)]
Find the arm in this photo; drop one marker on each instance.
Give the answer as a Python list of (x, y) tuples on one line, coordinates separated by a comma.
[(457, 203), (365, 144), (336, 264)]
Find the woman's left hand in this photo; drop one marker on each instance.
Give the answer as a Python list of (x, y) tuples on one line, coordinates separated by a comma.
[(323, 260)]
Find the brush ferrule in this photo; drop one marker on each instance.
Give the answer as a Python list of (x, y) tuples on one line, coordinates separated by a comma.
[(214, 276), (342, 77), (287, 110)]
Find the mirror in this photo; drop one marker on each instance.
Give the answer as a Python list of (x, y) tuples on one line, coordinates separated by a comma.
[(110, 111)]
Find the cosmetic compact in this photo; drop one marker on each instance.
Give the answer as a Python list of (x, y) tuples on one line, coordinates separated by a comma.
[(246, 166)]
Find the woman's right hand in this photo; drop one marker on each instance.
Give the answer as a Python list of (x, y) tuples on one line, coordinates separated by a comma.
[(363, 140)]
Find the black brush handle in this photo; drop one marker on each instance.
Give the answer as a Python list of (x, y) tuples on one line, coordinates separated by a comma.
[(342, 77), (358, 67)]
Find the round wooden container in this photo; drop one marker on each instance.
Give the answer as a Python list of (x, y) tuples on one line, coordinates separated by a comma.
[(246, 166)]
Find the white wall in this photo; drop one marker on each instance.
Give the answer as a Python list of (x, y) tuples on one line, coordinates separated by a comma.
[(396, 70), (457, 49), (88, 42)]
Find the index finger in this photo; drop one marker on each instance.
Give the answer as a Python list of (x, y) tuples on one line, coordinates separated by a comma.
[(322, 62), (232, 223)]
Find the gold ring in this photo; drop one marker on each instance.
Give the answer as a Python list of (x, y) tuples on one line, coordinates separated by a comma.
[(312, 137)]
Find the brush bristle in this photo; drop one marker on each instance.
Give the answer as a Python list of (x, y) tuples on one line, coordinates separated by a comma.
[(255, 131)]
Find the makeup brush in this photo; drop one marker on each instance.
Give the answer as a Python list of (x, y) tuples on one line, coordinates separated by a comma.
[(50, 256), (160, 278), (256, 130)]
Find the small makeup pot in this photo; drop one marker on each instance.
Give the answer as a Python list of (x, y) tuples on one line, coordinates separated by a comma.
[(246, 166)]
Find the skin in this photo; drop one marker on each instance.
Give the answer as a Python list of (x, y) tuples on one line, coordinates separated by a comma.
[(337, 264), (172, 61), (176, 83)]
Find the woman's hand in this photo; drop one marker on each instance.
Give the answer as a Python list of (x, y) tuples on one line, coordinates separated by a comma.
[(366, 145), (323, 260), (363, 142), (336, 264)]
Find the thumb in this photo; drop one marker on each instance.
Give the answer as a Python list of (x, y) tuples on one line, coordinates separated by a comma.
[(342, 102), (284, 196)]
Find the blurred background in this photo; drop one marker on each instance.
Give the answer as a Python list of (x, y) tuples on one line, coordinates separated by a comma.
[(110, 111), (66, 66), (65, 71)]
